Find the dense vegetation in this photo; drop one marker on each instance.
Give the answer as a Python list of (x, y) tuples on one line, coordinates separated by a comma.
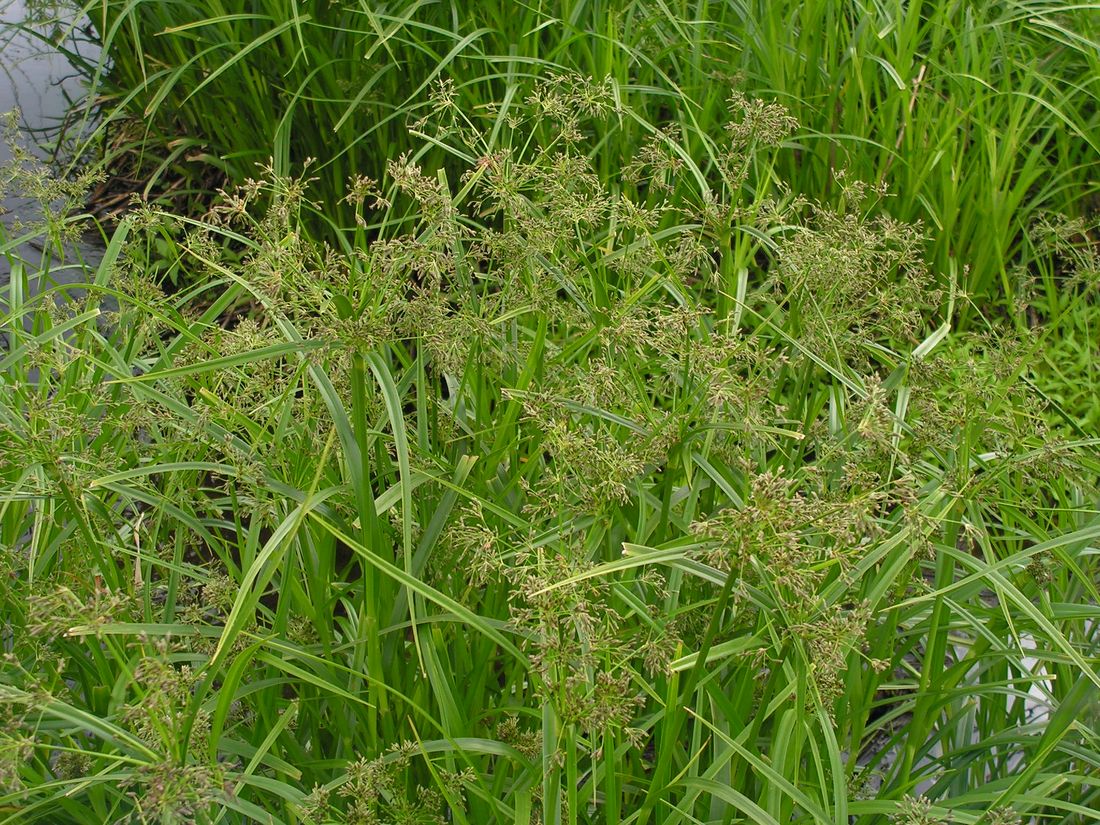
[(640, 412)]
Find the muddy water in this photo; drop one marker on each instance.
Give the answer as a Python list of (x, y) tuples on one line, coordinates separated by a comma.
[(38, 80)]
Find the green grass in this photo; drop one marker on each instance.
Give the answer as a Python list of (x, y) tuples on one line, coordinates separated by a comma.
[(979, 116), (536, 499)]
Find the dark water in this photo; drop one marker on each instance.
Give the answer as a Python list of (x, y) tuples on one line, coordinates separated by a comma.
[(38, 79), (35, 76)]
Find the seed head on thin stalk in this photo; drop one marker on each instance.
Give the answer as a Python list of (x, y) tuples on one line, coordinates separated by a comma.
[(915, 811)]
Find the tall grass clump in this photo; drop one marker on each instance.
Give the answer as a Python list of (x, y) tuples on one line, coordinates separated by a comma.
[(979, 116), (537, 500)]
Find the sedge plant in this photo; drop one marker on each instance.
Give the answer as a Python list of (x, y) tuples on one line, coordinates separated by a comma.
[(539, 498)]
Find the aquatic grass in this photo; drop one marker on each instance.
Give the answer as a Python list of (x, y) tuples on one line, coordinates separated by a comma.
[(979, 117), (523, 505)]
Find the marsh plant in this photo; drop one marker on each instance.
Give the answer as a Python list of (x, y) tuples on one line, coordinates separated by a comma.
[(979, 115), (540, 496)]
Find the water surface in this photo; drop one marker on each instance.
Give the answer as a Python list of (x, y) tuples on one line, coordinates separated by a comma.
[(38, 79)]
